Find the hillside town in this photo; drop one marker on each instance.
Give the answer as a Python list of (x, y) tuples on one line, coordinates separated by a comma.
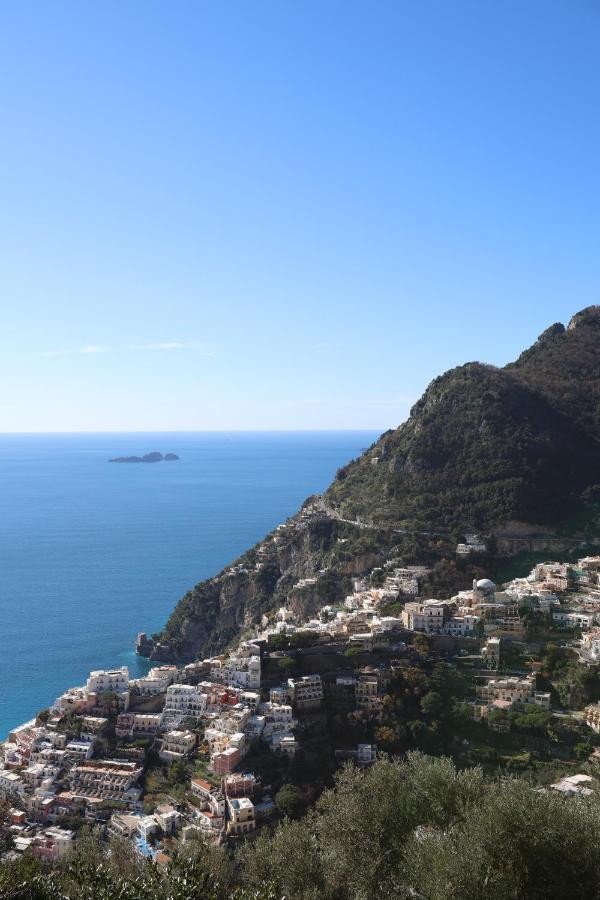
[(204, 750)]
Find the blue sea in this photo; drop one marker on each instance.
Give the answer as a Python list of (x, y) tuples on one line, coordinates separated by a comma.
[(92, 552)]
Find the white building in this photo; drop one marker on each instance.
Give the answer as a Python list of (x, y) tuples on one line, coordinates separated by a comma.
[(177, 745), (590, 644), (239, 670), (131, 724), (572, 619), (241, 816), (184, 700), (307, 691), (428, 616), (510, 693), (53, 843), (574, 785), (115, 680), (11, 783), (366, 754), (157, 680)]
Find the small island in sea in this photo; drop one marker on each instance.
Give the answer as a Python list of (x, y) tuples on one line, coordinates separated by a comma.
[(147, 458)]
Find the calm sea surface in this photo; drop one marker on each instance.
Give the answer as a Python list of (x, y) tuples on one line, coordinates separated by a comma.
[(92, 552)]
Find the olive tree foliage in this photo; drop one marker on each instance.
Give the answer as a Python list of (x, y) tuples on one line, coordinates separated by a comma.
[(516, 843), (351, 844), (421, 829), (365, 821), (289, 858)]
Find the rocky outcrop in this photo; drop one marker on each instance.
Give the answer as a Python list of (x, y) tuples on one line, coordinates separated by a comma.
[(310, 561)]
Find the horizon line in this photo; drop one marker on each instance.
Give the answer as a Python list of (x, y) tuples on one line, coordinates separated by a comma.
[(194, 431)]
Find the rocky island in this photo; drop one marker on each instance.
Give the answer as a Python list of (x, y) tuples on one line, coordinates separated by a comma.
[(147, 458)]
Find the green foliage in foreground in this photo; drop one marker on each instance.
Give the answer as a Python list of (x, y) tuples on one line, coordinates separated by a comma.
[(414, 828)]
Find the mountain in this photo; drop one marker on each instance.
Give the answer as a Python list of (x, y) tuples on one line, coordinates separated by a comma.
[(513, 450), (485, 446)]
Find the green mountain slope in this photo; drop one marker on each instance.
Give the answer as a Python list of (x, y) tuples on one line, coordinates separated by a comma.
[(484, 446), (496, 449)]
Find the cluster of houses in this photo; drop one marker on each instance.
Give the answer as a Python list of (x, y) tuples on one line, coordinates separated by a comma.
[(357, 620), (87, 755), (568, 592)]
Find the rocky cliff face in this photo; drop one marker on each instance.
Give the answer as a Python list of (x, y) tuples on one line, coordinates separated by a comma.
[(310, 560), (511, 451)]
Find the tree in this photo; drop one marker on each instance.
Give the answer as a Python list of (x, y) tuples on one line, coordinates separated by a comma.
[(422, 642), (432, 705), (304, 639), (288, 801), (6, 839), (289, 857), (178, 773), (279, 641), (392, 738), (514, 843), (583, 750), (535, 719)]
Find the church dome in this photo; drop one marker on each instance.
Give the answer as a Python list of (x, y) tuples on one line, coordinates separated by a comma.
[(485, 585)]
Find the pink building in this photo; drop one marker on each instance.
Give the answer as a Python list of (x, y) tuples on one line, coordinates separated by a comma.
[(240, 784), (52, 844), (225, 762)]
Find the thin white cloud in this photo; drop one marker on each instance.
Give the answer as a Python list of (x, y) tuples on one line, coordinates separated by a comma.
[(171, 345), (155, 345), (89, 348)]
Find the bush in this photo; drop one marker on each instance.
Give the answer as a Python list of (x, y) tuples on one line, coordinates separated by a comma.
[(286, 663)]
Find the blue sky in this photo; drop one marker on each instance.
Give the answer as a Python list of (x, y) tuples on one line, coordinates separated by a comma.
[(285, 215)]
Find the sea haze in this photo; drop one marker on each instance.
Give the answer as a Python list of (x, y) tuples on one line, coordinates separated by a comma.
[(92, 552)]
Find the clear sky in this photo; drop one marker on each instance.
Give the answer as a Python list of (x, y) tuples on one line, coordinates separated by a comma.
[(244, 215)]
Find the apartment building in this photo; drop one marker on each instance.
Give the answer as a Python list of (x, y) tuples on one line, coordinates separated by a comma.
[(513, 693), (184, 700), (592, 716), (52, 843), (226, 761), (571, 618), (210, 807), (157, 680), (106, 779), (104, 680), (428, 616), (370, 686), (237, 671), (306, 692), (241, 816), (177, 745), (240, 784), (137, 724)]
